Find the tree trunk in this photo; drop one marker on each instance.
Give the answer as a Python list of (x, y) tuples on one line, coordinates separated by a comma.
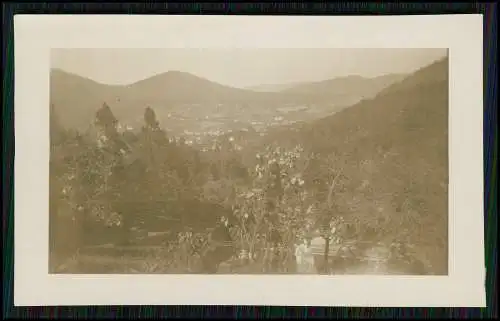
[(327, 250)]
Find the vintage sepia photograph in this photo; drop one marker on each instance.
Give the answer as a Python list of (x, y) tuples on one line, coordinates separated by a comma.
[(326, 161), (249, 160)]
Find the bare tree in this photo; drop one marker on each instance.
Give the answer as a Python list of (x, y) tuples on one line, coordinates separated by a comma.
[(327, 234)]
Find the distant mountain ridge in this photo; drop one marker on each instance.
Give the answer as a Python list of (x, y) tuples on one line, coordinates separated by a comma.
[(77, 98), (429, 84), (345, 90)]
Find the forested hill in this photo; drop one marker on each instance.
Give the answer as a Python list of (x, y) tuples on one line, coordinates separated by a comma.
[(392, 151)]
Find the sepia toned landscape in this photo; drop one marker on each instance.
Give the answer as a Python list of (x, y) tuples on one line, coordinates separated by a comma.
[(336, 168)]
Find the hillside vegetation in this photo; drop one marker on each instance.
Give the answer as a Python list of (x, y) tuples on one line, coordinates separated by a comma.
[(392, 151), (376, 172)]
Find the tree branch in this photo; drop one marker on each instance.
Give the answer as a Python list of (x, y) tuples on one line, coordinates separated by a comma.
[(331, 189), (307, 164)]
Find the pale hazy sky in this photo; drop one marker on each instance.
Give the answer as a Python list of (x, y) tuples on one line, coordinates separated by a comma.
[(240, 67)]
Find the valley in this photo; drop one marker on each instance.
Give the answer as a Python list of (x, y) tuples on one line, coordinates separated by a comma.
[(196, 149)]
